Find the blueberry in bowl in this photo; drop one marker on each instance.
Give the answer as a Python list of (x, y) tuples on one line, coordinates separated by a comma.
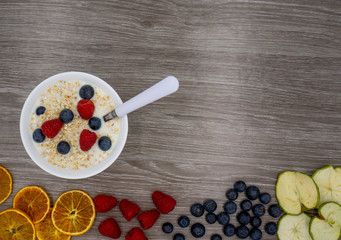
[(86, 92), (95, 123), (66, 116)]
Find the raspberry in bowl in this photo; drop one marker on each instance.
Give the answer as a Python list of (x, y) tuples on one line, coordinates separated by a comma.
[(62, 125)]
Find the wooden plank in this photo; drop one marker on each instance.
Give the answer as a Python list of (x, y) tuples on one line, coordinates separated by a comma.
[(259, 93)]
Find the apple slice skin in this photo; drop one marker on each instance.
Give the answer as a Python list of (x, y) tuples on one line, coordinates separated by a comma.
[(325, 178), (330, 226), (295, 222), (288, 197)]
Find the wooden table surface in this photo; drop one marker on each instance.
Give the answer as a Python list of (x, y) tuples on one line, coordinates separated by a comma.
[(260, 92)]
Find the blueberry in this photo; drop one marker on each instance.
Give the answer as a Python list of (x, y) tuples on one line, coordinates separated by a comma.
[(210, 205), (242, 231), (223, 218), (246, 205), (63, 147), (40, 110), (232, 194), (275, 211), (216, 237), (167, 227), (230, 207), (197, 210), (183, 221), (104, 143), (229, 230), (258, 210), (179, 236), (86, 92), (265, 198), (252, 192), (271, 228), (198, 230), (256, 234), (255, 222), (95, 123), (211, 218), (66, 115), (240, 186), (38, 135), (243, 218)]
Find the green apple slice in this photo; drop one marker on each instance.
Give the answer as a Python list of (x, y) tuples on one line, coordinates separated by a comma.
[(294, 227), (328, 181), (328, 224), (296, 192)]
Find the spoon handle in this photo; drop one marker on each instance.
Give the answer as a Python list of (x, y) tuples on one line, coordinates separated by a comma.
[(159, 90)]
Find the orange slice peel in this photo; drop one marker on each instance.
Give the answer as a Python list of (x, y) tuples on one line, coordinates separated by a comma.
[(5, 184), (34, 201), (73, 213), (15, 224), (47, 231)]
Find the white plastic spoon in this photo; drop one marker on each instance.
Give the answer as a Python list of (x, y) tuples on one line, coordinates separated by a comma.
[(161, 89)]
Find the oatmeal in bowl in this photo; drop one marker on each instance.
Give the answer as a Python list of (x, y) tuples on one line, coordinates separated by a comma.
[(62, 125)]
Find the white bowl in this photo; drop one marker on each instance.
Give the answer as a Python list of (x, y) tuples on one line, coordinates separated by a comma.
[(26, 134)]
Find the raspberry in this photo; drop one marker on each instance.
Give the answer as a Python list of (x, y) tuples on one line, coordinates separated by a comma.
[(148, 218), (163, 202), (129, 209), (87, 139), (136, 234), (110, 228), (104, 203), (52, 127), (85, 108)]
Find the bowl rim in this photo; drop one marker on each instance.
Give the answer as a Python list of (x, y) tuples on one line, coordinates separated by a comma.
[(32, 150)]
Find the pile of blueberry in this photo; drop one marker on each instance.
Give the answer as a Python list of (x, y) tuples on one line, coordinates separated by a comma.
[(66, 116), (250, 213)]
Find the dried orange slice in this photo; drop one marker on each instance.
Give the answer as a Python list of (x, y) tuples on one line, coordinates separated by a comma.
[(15, 225), (5, 184), (34, 201), (47, 231), (73, 213)]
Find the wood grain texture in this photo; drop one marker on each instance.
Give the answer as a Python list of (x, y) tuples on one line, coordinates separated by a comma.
[(260, 92)]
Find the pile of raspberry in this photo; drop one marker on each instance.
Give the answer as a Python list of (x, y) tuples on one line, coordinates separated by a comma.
[(110, 228)]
